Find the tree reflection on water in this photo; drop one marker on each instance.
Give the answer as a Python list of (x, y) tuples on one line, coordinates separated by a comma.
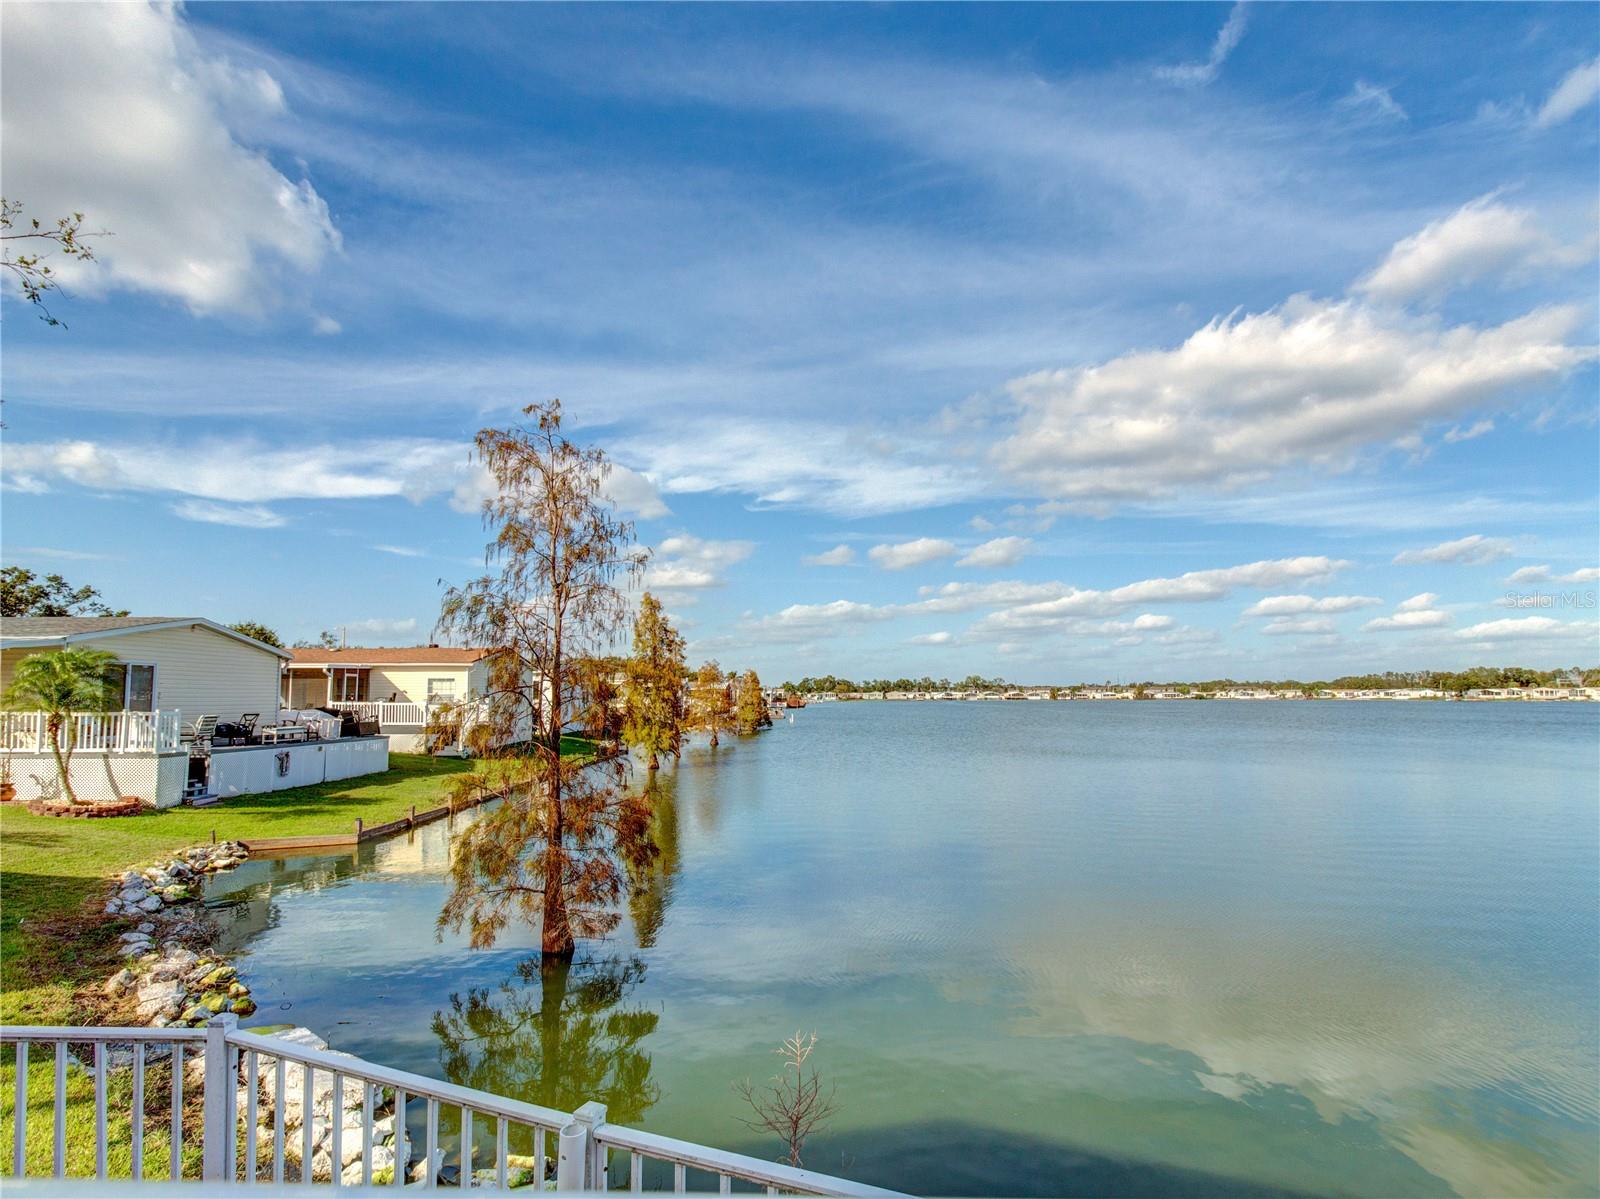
[(650, 886), (556, 1035)]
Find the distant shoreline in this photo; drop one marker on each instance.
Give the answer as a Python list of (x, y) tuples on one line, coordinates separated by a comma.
[(1254, 695)]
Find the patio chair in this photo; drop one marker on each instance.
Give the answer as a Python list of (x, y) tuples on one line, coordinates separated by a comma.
[(247, 722), (199, 730)]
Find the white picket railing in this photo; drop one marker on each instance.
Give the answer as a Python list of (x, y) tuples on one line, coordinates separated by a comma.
[(637, 1147), (387, 714), (95, 732), (245, 1145)]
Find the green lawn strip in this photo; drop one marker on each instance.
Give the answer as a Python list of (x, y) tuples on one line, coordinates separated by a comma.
[(51, 867), (54, 942), (80, 1119)]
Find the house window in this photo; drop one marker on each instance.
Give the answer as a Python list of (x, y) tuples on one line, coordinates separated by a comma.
[(441, 691), (135, 684), (141, 693)]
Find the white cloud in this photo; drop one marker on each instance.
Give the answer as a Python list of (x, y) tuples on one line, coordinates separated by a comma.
[(1299, 626), (244, 516), (1475, 430), (633, 493), (831, 468), (46, 551), (1051, 606), (1312, 382), (801, 622), (1572, 95), (326, 326), (981, 524), (1001, 551), (114, 111), (1417, 603), (1418, 612), (1373, 101), (939, 638), (839, 555), (400, 551), (1482, 239), (1200, 73), (1543, 574), (1295, 605), (1148, 622), (910, 553), (1476, 550), (246, 471), (1194, 587), (691, 563), (1529, 628), (968, 597)]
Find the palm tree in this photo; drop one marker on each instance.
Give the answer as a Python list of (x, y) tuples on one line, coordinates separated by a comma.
[(59, 684)]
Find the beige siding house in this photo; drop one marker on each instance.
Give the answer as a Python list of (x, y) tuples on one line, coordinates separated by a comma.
[(173, 673), (399, 688), (416, 674), (185, 664)]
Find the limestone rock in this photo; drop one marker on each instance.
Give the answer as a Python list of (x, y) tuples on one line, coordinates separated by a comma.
[(157, 997), (120, 982), (382, 1159), (173, 965)]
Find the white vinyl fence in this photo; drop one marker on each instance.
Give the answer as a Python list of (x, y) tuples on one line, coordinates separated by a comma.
[(102, 732), (387, 715), (351, 1121)]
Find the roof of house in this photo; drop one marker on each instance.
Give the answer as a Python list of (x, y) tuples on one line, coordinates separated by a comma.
[(45, 631), (410, 655)]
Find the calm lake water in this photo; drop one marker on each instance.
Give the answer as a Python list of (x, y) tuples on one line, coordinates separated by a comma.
[(1159, 948)]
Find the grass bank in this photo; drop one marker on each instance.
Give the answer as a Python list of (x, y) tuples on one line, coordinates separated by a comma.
[(56, 943), (51, 868)]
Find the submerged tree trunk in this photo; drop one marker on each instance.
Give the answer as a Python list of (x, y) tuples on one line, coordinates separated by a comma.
[(655, 762), (713, 737), (556, 941)]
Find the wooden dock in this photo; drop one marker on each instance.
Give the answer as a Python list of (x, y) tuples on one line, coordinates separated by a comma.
[(264, 846)]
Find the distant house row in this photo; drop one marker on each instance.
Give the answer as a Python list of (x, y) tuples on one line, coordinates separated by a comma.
[(206, 711), (1532, 694)]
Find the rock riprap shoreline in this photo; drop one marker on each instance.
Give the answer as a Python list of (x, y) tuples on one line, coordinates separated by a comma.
[(169, 982), (174, 978)]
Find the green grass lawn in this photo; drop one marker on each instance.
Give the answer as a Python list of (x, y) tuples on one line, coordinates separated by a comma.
[(55, 940), (51, 867)]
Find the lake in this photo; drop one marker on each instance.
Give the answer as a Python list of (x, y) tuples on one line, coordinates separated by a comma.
[(1047, 948)]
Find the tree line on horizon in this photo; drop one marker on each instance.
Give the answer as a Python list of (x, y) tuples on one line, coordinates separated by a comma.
[(1457, 681)]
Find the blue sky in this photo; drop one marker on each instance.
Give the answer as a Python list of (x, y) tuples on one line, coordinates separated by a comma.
[(1058, 342)]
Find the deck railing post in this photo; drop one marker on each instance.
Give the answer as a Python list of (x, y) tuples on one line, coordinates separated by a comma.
[(219, 1099), (592, 1115), (572, 1154), (578, 1154)]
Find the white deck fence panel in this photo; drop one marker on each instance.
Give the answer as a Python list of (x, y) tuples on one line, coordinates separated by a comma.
[(252, 1087), (94, 732)]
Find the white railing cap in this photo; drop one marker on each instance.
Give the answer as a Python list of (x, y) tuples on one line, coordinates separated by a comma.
[(721, 1161), (45, 1032), (412, 1084)]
